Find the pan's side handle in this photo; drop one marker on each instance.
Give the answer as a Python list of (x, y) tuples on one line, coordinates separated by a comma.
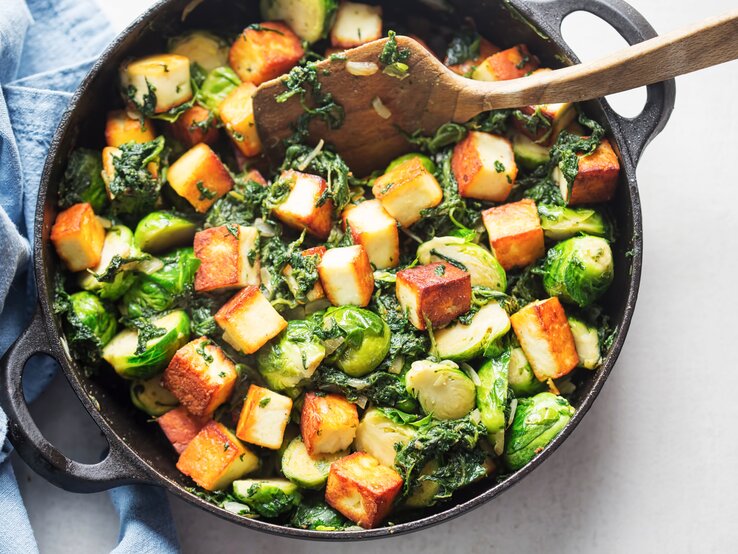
[(634, 28), (113, 470)]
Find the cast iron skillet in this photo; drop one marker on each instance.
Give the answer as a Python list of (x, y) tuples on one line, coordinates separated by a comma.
[(137, 453)]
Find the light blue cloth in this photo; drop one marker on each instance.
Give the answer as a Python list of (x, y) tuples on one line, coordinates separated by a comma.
[(46, 47)]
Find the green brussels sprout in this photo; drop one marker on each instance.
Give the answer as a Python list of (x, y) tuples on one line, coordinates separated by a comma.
[(442, 389), (292, 357), (425, 492), (151, 397), (425, 160), (366, 339), (158, 291), (113, 275), (579, 270), (492, 398), (311, 20), (83, 181), (318, 516), (560, 222), (528, 154), (482, 336), (143, 353), (587, 342), (378, 434), (267, 497), (521, 378), (162, 231), (90, 312), (479, 262), (201, 47), (538, 421), (306, 471), (219, 83)]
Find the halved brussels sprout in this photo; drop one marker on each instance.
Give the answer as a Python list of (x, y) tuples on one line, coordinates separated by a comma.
[(162, 231), (267, 497), (201, 47), (479, 262), (88, 311), (309, 472), (151, 397), (579, 270), (587, 342), (520, 376), (219, 83), (441, 388), (427, 488), (366, 339), (377, 435), (292, 357), (492, 398), (459, 342), (425, 160), (118, 246), (133, 361), (529, 154), (538, 421), (560, 222)]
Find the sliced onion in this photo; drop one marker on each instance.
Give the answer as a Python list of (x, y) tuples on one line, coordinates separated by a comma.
[(361, 402), (331, 345), (513, 407), (380, 108), (412, 236), (150, 265), (265, 230), (310, 157), (237, 508), (104, 221), (362, 69), (396, 365), (189, 8), (473, 375)]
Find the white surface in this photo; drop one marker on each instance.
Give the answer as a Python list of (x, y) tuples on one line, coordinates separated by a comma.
[(652, 468)]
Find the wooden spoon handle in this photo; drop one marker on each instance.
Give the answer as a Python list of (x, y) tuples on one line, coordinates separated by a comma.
[(709, 43)]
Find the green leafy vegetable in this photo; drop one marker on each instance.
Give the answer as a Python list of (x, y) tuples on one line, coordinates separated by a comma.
[(83, 181), (133, 187), (241, 206), (464, 46), (382, 388)]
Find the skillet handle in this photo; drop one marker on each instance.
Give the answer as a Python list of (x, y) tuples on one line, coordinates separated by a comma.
[(634, 28), (113, 470)]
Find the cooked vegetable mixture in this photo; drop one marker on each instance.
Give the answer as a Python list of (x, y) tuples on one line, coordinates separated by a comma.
[(326, 349)]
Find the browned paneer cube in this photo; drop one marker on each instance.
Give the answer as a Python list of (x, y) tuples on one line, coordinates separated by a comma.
[(317, 292), (166, 75), (200, 177), (229, 258), (356, 24), (215, 458), (249, 321), (123, 127), (266, 52), (194, 126), (597, 178), (512, 63), (545, 336), (407, 190), (180, 427), (78, 237), (201, 376), (328, 423), (362, 489), (433, 294), (486, 49), (237, 115), (373, 228), (264, 417), (347, 276), (484, 167), (515, 233), (299, 209)]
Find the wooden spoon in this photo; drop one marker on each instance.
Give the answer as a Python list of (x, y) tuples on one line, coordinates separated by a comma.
[(433, 95)]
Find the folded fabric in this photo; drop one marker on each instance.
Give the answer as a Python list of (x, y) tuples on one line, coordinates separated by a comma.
[(46, 47)]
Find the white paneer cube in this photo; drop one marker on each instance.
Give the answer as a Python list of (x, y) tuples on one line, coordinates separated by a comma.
[(373, 228), (166, 76), (300, 209), (229, 258), (328, 423), (356, 24), (515, 233), (249, 321), (407, 190), (545, 336), (264, 417), (347, 276), (484, 167)]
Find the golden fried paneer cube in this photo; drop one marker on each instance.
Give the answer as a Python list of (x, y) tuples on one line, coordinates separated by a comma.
[(373, 228), (362, 489), (545, 336), (597, 178), (200, 376), (407, 190), (317, 292), (78, 237), (265, 52), (433, 294), (180, 427), (167, 76), (123, 126), (484, 167), (328, 423), (200, 177), (486, 49), (229, 257), (194, 126), (237, 115), (264, 417), (215, 458), (249, 321), (515, 233), (512, 63), (356, 24), (347, 276), (300, 210)]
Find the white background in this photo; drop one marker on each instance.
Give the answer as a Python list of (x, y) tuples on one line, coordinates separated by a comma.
[(654, 466)]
